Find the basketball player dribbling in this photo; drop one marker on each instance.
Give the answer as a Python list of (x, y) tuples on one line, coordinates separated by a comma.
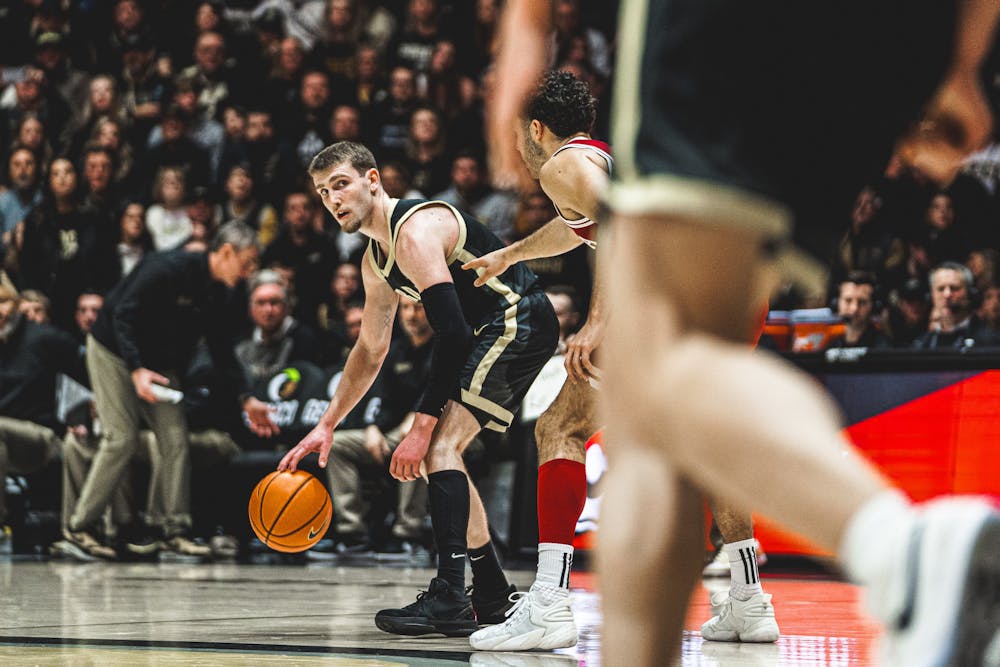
[(553, 138), (730, 120)]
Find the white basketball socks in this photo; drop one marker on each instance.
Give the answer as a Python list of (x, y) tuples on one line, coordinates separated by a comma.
[(873, 549), (744, 579), (554, 564)]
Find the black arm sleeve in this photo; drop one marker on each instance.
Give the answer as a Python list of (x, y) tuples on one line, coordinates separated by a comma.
[(451, 341)]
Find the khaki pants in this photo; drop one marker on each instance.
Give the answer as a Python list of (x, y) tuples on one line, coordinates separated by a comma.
[(346, 454), (208, 448), (24, 448), (120, 410)]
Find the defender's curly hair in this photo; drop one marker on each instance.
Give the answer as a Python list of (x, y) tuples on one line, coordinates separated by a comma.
[(562, 103)]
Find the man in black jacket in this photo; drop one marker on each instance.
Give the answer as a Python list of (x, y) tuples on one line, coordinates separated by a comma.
[(143, 339), (30, 357)]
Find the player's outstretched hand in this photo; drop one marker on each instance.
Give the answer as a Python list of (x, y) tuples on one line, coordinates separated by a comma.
[(488, 266), (259, 415), (580, 351), (318, 440), (956, 123)]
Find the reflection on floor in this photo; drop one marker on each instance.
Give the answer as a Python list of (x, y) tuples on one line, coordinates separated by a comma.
[(232, 614)]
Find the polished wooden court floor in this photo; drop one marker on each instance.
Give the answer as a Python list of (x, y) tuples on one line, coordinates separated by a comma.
[(58, 613)]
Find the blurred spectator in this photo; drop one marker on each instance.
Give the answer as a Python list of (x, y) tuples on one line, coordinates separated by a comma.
[(368, 84), (989, 311), (564, 302), (31, 354), (127, 22), (134, 240), (857, 304), (273, 164), (202, 128), (398, 389), (24, 191), (144, 88), (31, 135), (216, 77), (390, 116), (32, 95), (953, 323), (205, 220), (378, 23), (309, 118), (109, 134), (568, 24), (167, 219), (946, 240), (342, 32), (868, 244), (100, 193), (398, 182), (177, 149), (35, 306), (233, 150), (345, 289), (269, 29), (277, 339), (52, 57), (145, 335), (102, 102), (303, 19), (345, 124), (88, 304), (483, 36), (422, 29), (285, 78), (908, 312), (61, 252), (240, 203), (571, 268), (309, 254), (471, 192), (425, 151), (983, 264)]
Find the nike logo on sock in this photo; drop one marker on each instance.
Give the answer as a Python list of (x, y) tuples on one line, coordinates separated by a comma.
[(458, 555), (477, 557)]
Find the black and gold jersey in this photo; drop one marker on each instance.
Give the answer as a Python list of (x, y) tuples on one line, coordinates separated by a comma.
[(479, 304)]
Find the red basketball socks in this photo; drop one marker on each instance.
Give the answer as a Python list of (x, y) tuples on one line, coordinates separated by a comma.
[(562, 492)]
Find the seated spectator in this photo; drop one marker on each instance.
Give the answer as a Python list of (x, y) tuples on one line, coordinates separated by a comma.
[(857, 304), (564, 302), (947, 241), (908, 312), (868, 244), (205, 220), (390, 116), (984, 263), (425, 152), (308, 253), (953, 323), (399, 386), (88, 304), (471, 192), (202, 128), (177, 149), (61, 251), (241, 203), (134, 240), (167, 219), (989, 311), (35, 306), (345, 289), (23, 194), (31, 355), (277, 338)]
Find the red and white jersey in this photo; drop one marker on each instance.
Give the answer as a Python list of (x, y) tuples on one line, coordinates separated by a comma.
[(585, 228)]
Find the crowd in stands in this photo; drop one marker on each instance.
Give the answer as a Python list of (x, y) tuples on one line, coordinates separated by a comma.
[(139, 126)]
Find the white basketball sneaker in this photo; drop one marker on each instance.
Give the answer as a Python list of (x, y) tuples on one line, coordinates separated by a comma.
[(950, 611), (741, 621), (540, 619)]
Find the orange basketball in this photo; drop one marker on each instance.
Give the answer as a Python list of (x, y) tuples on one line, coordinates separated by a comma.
[(290, 511)]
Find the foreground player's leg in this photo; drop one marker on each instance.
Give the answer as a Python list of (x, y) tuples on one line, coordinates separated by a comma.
[(649, 553), (752, 429), (490, 589), (444, 607), (744, 612), (543, 618)]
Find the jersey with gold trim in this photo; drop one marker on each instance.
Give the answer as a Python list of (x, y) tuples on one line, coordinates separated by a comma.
[(479, 304)]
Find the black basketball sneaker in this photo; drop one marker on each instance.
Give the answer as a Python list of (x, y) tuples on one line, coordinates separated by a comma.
[(438, 609), (491, 609)]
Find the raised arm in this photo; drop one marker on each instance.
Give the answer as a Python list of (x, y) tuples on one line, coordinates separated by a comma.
[(363, 364), (553, 238)]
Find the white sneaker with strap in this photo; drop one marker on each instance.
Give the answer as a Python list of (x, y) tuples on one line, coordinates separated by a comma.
[(542, 618), (741, 621)]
